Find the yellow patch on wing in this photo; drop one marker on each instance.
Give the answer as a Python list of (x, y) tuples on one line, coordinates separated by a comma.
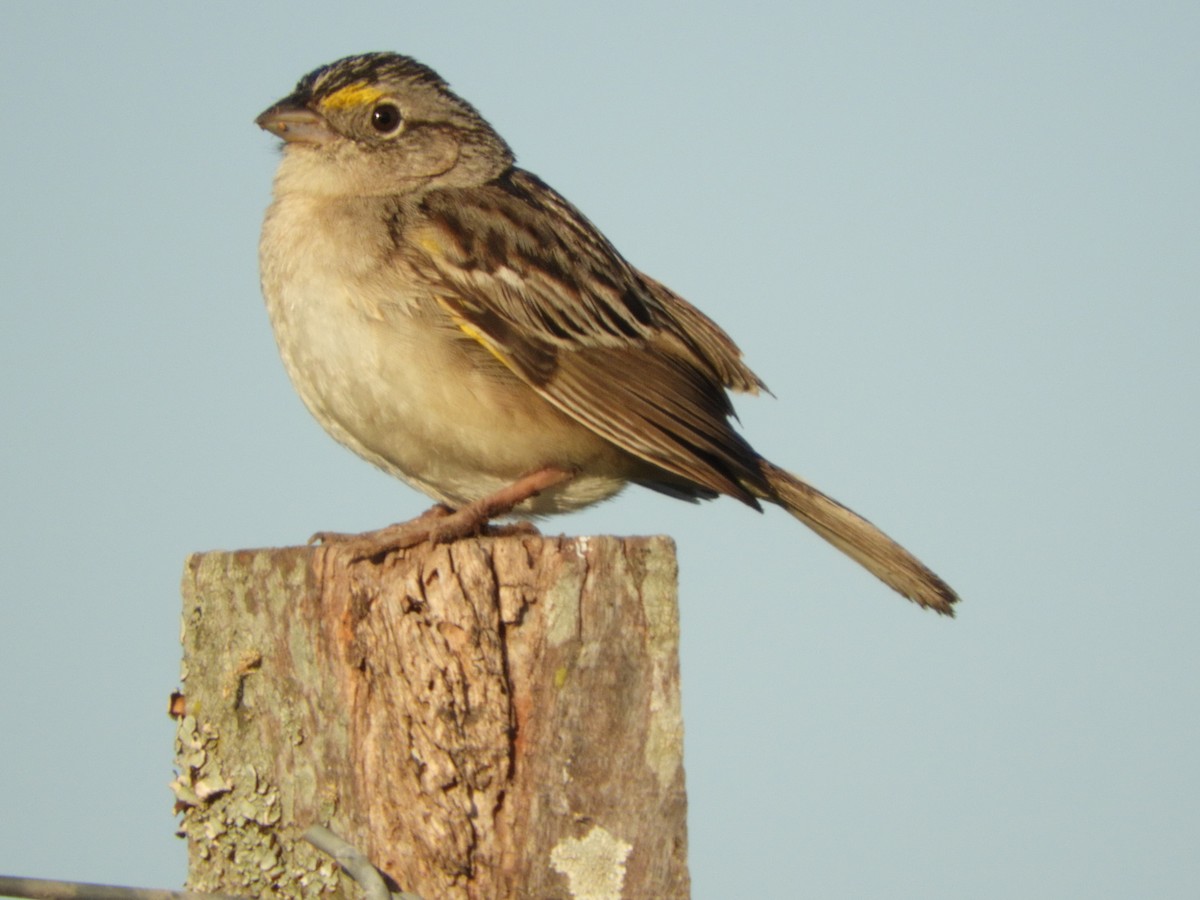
[(358, 94), (475, 334), (428, 240)]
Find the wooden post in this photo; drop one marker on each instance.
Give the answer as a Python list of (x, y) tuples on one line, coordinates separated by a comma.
[(493, 718)]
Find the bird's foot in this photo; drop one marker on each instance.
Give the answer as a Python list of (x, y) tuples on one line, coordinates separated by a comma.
[(441, 525), (510, 529), (438, 511)]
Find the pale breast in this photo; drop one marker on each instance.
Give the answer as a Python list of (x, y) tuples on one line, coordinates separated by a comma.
[(387, 374)]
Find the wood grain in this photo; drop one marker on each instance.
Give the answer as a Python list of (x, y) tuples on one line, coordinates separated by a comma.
[(497, 717)]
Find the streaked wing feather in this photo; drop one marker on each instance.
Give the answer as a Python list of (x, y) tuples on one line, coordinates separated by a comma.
[(538, 262), (658, 410), (523, 272), (709, 338)]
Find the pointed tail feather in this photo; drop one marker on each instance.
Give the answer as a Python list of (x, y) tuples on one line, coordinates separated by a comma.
[(860, 540)]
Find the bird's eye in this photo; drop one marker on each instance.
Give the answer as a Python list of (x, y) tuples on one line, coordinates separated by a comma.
[(385, 118)]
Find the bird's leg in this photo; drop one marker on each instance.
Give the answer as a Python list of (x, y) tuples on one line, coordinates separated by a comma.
[(439, 525), (437, 511), (470, 518)]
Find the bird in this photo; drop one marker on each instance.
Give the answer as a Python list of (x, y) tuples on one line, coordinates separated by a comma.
[(455, 321)]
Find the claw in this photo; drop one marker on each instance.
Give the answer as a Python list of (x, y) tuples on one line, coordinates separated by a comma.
[(442, 525)]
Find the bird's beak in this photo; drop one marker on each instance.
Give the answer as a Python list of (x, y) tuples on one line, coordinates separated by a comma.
[(295, 124)]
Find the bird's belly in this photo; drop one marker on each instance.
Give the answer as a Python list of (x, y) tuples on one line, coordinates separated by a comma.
[(407, 393)]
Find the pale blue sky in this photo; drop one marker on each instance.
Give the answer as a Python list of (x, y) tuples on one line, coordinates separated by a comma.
[(958, 241)]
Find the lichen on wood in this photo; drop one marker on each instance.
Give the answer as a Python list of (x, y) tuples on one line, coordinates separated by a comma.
[(456, 711)]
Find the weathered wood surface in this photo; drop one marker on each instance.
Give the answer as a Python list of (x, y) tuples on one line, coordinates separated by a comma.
[(494, 718)]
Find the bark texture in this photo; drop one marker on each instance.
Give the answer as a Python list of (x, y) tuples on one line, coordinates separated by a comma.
[(493, 718)]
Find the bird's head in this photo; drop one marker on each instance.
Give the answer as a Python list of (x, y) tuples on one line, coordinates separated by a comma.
[(381, 124)]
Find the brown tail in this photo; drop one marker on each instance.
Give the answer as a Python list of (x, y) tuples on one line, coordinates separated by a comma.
[(860, 540)]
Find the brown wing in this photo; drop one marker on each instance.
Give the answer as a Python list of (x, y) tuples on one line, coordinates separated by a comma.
[(522, 272)]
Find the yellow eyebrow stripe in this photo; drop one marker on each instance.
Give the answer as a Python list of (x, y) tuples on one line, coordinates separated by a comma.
[(358, 94)]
